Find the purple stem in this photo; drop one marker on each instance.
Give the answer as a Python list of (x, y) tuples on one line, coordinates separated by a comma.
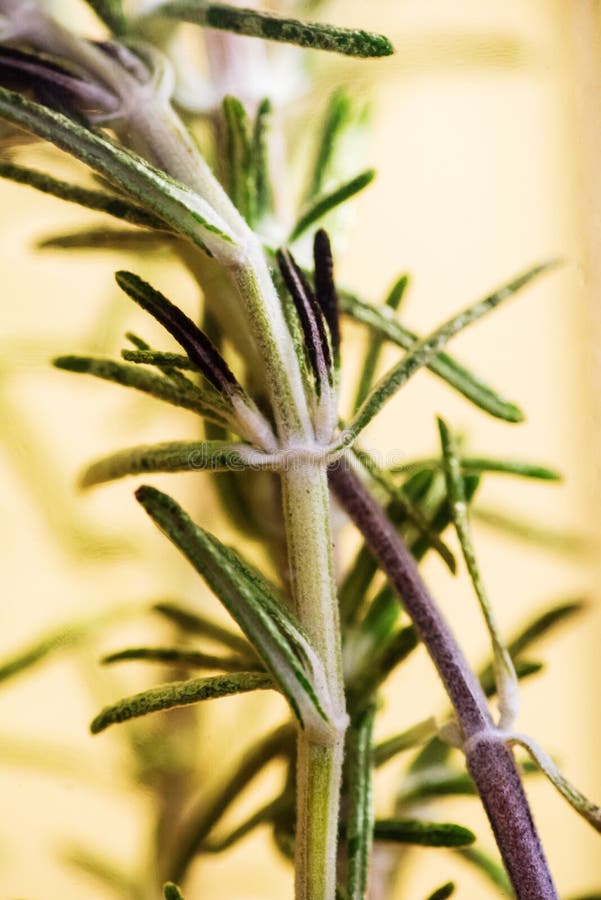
[(489, 761)]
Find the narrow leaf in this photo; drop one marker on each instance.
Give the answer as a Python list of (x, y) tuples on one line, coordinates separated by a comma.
[(181, 208), (238, 156), (381, 320), (263, 191), (479, 465), (376, 344), (194, 623), (443, 892), (589, 811), (492, 870), (125, 240), (172, 892), (254, 23), (73, 193), (428, 348), (360, 821), (171, 456), (197, 345), (325, 289), (176, 656), (337, 117), (192, 398), (160, 358), (412, 737), (505, 676), (321, 206), (426, 834), (542, 624), (276, 637), (266, 813), (180, 693)]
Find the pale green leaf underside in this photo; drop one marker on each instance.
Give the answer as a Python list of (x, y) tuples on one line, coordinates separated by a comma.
[(180, 693), (276, 637), (425, 351), (175, 204), (171, 456), (254, 23)]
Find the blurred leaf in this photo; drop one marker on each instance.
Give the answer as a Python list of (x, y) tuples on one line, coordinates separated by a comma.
[(337, 117), (273, 632), (172, 892), (479, 465), (192, 622), (99, 201), (103, 871), (360, 817), (425, 834), (125, 240), (239, 158), (176, 656), (443, 892), (545, 537), (417, 734), (376, 344), (179, 693), (321, 206), (268, 26), (492, 870), (263, 190)]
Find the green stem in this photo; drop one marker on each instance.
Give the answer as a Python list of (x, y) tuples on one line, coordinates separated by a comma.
[(319, 765)]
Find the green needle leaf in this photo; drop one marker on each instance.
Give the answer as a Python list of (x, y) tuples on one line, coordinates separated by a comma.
[(480, 465), (263, 191), (175, 656), (542, 624), (376, 343), (125, 240), (180, 693), (171, 456), (382, 321), (273, 632), (321, 206), (443, 892), (73, 193), (254, 23), (203, 402), (428, 348), (492, 870), (239, 158), (172, 892), (412, 737), (337, 117), (360, 822), (505, 676), (192, 623), (426, 834)]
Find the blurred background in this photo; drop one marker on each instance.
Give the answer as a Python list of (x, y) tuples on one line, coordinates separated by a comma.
[(484, 130)]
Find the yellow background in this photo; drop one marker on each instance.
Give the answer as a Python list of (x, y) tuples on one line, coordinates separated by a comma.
[(484, 137)]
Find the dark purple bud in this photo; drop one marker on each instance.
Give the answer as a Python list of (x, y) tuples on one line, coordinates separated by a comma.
[(325, 287)]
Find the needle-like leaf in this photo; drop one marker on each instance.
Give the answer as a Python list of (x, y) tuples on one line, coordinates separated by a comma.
[(412, 737), (182, 209), (172, 892), (255, 23), (428, 348), (336, 118), (99, 201), (382, 321), (124, 240), (193, 623), (180, 693), (321, 206), (192, 398), (492, 870), (480, 465), (443, 892), (426, 834), (172, 456), (271, 629), (176, 656)]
